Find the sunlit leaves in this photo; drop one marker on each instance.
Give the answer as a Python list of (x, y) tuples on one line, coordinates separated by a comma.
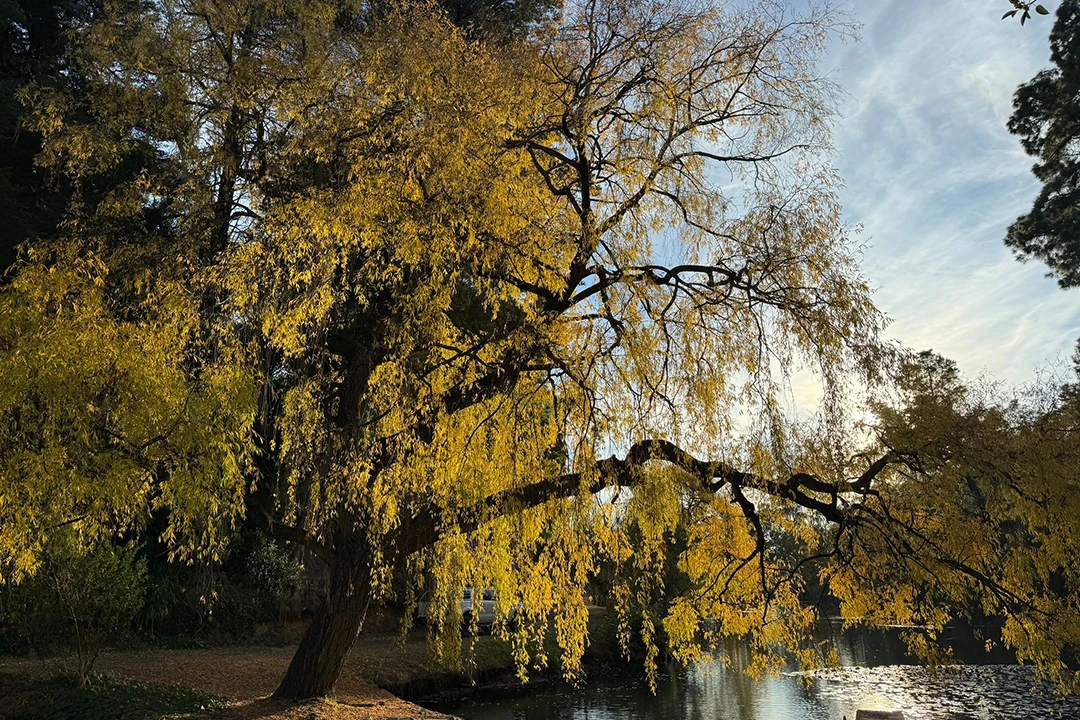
[(986, 517), (462, 269), (100, 420)]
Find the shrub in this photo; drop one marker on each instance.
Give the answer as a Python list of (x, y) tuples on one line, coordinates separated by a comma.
[(275, 576), (60, 698), (80, 598), (163, 594), (258, 582)]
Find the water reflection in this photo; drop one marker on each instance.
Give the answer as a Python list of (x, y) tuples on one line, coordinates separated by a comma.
[(877, 674)]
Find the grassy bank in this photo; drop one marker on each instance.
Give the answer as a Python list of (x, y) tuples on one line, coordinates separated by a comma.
[(199, 682)]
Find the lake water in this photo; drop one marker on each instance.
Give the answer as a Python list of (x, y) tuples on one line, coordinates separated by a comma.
[(877, 674)]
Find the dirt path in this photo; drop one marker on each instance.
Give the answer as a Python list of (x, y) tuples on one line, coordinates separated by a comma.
[(246, 676)]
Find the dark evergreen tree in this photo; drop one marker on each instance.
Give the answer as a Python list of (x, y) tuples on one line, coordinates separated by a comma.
[(32, 50), (1046, 117)]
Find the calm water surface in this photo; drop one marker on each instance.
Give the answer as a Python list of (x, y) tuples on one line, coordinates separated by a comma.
[(877, 674)]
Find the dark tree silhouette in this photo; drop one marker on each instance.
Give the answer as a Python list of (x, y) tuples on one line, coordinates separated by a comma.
[(33, 46), (1046, 117)]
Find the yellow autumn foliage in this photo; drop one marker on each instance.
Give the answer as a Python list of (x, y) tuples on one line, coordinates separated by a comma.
[(433, 279)]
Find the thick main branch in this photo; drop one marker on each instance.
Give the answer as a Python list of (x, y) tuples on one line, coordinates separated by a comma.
[(709, 475)]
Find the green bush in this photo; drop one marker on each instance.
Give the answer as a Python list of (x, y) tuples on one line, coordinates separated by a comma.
[(163, 594), (275, 575), (79, 599), (258, 582), (63, 699)]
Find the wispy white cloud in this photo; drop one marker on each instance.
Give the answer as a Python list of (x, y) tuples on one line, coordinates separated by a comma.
[(935, 179)]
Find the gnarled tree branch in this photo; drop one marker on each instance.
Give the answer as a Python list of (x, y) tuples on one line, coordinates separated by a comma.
[(711, 476)]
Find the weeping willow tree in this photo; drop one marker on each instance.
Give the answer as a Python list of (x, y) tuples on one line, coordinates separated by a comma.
[(423, 300), (480, 309)]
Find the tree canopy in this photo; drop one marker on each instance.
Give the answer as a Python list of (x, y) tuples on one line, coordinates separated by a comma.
[(1046, 117), (473, 305)]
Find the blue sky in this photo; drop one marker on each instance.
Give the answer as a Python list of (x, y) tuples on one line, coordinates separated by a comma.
[(934, 179)]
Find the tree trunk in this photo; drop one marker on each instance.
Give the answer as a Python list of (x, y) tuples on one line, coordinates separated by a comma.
[(325, 646)]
